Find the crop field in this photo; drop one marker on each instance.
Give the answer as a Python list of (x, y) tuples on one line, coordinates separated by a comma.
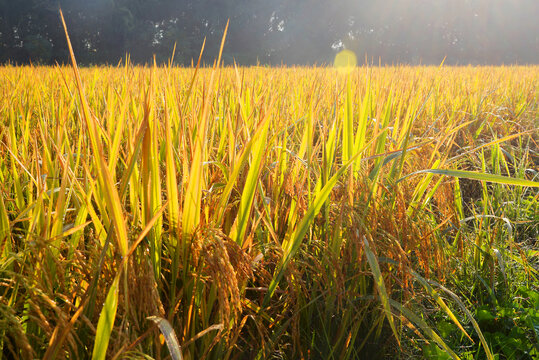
[(269, 213)]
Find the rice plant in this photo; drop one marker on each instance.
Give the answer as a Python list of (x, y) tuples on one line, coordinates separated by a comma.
[(228, 212)]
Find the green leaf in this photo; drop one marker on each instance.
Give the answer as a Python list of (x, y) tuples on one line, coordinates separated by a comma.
[(484, 315), (106, 322), (431, 351), (379, 280), (248, 194), (477, 176), (425, 327), (440, 302), (4, 229)]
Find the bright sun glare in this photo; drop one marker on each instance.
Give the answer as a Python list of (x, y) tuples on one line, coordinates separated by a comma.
[(345, 59)]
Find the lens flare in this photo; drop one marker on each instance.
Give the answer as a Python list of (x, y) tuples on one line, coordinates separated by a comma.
[(345, 59)]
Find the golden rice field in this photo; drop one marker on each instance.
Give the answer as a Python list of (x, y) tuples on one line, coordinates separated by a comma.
[(269, 213)]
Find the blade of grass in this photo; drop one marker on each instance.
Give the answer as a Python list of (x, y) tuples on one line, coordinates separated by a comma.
[(425, 327), (477, 176), (193, 194), (379, 281), (106, 322), (5, 231), (170, 337), (111, 195), (259, 147), (484, 342), (434, 294), (108, 313)]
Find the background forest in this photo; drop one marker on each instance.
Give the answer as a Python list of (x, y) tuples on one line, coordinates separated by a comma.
[(272, 31)]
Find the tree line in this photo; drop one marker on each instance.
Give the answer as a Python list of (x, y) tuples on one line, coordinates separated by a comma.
[(272, 31)]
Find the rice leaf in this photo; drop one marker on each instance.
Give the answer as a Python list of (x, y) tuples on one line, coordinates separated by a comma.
[(106, 322), (247, 197), (477, 176), (440, 302), (5, 243), (484, 342), (111, 195), (170, 337), (410, 315), (379, 281)]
